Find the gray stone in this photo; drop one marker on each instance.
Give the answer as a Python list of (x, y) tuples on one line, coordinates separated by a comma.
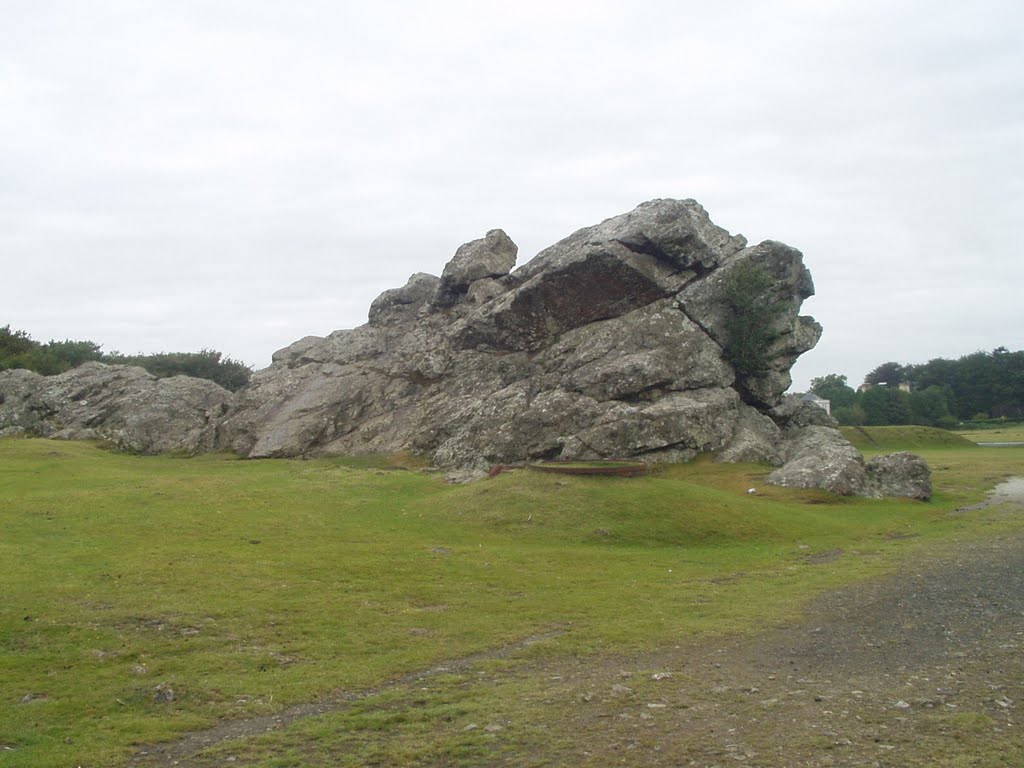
[(164, 694), (820, 457), (492, 256), (484, 290), (795, 413), (601, 272), (124, 405), (756, 440), (901, 474), (294, 351), (642, 354), (404, 302), (583, 352), (21, 409)]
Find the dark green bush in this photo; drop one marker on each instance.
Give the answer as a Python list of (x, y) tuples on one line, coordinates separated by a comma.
[(18, 350), (751, 325)]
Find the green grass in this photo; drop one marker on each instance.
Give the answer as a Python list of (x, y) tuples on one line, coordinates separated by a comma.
[(248, 586), (1013, 433), (907, 438)]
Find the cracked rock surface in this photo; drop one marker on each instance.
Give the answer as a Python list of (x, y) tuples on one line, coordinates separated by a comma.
[(607, 344)]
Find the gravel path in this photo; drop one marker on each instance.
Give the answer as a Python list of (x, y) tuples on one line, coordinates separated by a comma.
[(181, 752), (925, 668)]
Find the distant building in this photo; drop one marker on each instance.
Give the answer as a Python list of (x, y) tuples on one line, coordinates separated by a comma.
[(825, 405), (903, 386)]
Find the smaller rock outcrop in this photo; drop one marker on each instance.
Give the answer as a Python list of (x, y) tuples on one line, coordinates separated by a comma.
[(125, 405), (820, 457)]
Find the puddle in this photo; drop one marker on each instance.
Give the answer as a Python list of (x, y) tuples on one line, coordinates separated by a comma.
[(1010, 490)]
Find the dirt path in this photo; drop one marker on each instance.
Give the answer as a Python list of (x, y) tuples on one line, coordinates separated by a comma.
[(179, 752), (922, 668)]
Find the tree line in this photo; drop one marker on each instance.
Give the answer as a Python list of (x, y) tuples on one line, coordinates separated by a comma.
[(942, 393), (19, 350)]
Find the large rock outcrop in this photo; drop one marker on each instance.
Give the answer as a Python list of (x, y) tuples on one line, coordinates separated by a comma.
[(615, 342), (612, 342)]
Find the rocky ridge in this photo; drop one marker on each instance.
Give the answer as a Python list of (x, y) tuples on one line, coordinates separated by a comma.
[(122, 405), (614, 342)]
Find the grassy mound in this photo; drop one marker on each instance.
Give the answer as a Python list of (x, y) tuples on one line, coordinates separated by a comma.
[(905, 438), (998, 433)]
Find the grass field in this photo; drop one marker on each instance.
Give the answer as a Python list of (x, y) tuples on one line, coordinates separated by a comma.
[(910, 438), (1013, 433), (145, 597)]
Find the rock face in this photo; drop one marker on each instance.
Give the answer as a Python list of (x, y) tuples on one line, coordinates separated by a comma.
[(614, 342), (609, 343), (121, 404)]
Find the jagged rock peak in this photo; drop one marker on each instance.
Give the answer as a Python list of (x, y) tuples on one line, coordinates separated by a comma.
[(611, 342)]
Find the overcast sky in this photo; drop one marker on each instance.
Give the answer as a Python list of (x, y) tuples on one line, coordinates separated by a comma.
[(237, 174)]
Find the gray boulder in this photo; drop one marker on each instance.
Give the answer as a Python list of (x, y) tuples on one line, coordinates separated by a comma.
[(21, 410), (490, 257), (124, 405), (901, 474), (795, 413), (600, 272), (820, 457), (404, 303), (296, 349), (756, 440), (791, 283)]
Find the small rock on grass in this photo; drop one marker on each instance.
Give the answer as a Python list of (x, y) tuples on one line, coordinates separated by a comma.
[(163, 693)]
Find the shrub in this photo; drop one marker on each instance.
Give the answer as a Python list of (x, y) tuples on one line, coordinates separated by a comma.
[(753, 316), (18, 350)]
